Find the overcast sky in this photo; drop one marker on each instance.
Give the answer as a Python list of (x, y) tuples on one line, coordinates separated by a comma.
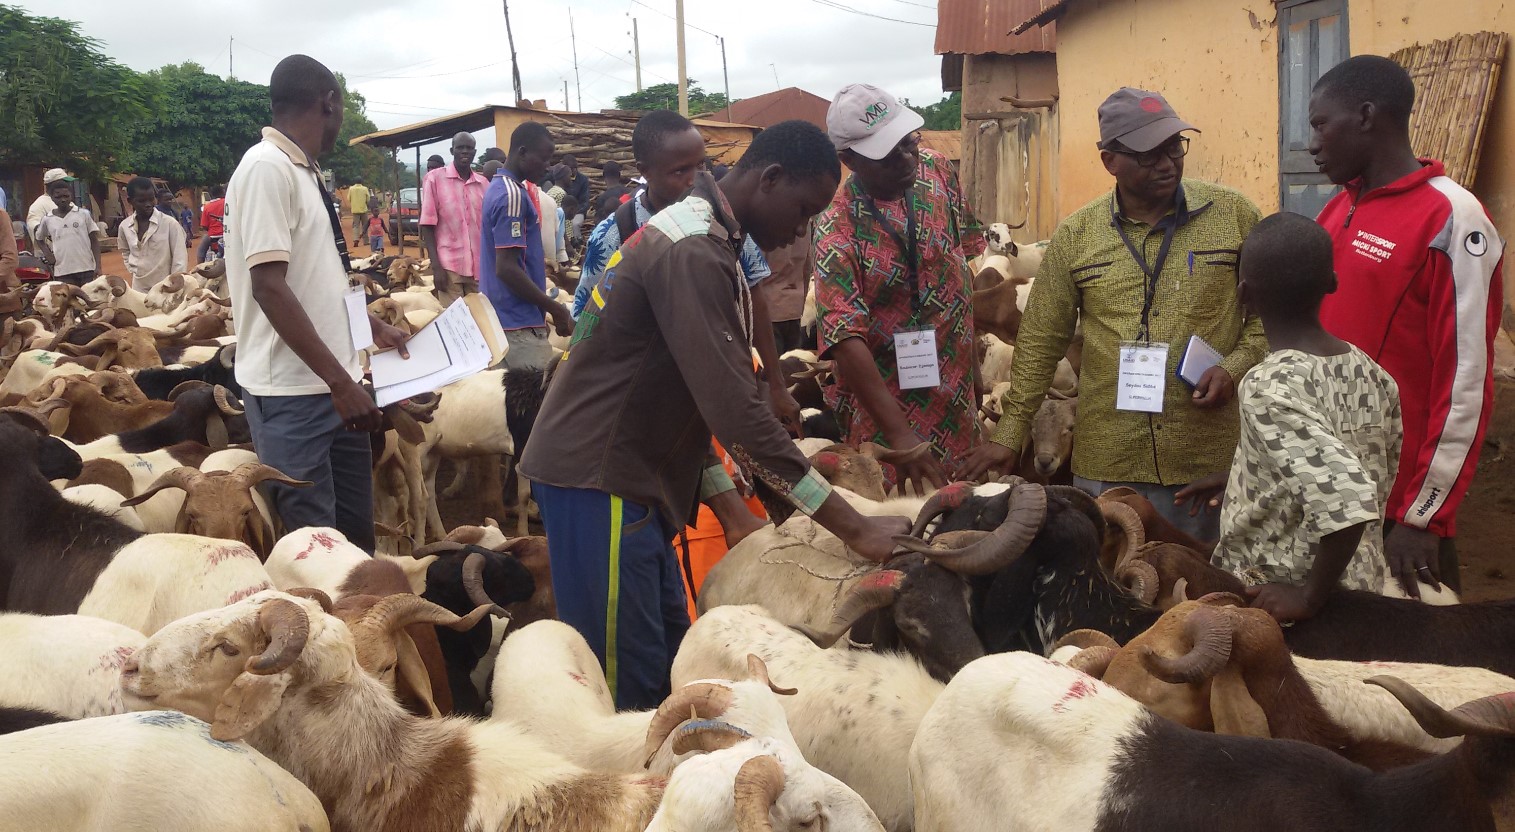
[(419, 60)]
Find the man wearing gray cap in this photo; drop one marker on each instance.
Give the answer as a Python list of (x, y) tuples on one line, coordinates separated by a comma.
[(1151, 270), (892, 290)]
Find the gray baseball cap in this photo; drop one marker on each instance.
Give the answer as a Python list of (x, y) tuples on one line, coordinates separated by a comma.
[(1139, 119), (869, 121)]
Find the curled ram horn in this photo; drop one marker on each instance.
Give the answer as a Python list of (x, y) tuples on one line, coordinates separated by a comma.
[(1491, 716), (1140, 578), (184, 387), (288, 628), (1093, 660), (313, 594), (1084, 639), (874, 591), (758, 784), (473, 584), (1028, 510), (708, 735), (438, 548), (1210, 632), (944, 500), (227, 403), (757, 670), (393, 612), (1126, 519), (698, 700)]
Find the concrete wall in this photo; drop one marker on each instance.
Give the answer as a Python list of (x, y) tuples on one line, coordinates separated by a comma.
[(1216, 61)]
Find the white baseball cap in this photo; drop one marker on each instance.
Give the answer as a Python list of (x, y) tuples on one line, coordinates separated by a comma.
[(56, 175), (869, 121)]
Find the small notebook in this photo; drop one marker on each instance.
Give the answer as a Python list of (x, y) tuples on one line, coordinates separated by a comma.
[(1197, 358)]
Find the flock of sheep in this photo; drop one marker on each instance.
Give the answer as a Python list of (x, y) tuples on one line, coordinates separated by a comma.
[(1032, 658)]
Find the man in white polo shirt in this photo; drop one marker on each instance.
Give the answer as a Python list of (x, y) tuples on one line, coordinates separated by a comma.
[(285, 263)]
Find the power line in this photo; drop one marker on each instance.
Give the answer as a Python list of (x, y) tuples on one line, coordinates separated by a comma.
[(917, 5), (674, 19), (411, 106), (629, 63), (838, 6), (434, 75)]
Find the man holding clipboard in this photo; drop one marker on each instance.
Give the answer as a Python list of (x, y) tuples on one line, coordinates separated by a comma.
[(1150, 268)]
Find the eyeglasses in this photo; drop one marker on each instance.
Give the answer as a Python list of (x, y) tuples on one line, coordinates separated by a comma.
[(1175, 150)]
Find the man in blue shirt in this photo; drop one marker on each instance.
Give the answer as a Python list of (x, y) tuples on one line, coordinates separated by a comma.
[(511, 251)]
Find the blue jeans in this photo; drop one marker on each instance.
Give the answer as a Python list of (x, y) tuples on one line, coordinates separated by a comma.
[(303, 437), (1205, 527), (617, 582)]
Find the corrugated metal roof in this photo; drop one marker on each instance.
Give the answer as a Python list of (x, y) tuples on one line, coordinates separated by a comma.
[(949, 143), (771, 108), (982, 27), (1049, 11)]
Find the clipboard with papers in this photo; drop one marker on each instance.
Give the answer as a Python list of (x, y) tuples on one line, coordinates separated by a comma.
[(465, 339), (1198, 357)]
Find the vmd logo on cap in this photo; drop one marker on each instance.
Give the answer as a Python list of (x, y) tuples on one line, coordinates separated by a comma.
[(1152, 105), (876, 112)]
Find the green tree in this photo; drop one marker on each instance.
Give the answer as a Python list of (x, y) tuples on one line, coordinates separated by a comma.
[(348, 163), (198, 127), (946, 114), (63, 101), (666, 97)]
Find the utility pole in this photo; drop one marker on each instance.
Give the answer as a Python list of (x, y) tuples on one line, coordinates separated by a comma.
[(678, 7), (575, 42), (231, 58), (515, 71), (725, 79), (636, 48), (566, 107), (775, 69)]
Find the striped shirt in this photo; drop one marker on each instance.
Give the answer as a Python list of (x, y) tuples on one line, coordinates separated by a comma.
[(453, 208), (1089, 276)]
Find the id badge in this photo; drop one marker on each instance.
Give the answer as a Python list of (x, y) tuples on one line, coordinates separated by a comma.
[(916, 359), (357, 318), (1143, 376)]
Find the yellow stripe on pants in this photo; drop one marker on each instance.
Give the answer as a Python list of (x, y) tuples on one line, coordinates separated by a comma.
[(613, 596)]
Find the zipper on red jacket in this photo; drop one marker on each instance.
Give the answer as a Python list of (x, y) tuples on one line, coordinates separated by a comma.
[(1350, 212)]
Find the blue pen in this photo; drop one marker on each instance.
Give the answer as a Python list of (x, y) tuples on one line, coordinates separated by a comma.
[(1191, 264)]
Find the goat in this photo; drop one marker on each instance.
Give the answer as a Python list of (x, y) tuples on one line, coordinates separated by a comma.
[(67, 664), (254, 669), (147, 771), (1009, 724), (111, 290), (220, 504)]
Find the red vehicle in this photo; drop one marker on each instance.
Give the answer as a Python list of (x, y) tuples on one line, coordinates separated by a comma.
[(405, 214)]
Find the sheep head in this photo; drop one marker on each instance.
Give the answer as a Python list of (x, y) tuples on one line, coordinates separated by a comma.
[(220, 504), (705, 700), (385, 649), (167, 294), (1052, 432), (986, 554), (229, 667), (133, 348)]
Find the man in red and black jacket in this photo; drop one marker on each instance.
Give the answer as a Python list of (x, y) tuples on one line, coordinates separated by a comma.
[(1419, 265)]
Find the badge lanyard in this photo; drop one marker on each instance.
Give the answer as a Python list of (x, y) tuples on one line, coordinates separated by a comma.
[(909, 245), (1152, 273)]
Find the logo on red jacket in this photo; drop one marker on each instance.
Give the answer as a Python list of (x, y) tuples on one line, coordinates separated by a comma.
[(1477, 243)]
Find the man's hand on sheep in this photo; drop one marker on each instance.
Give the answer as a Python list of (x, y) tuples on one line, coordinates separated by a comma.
[(990, 457)]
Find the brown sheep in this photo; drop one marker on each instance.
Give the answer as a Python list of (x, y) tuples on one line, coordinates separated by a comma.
[(220, 503), (82, 409)]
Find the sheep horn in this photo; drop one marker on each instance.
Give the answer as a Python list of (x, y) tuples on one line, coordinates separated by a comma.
[(183, 477), (1093, 660), (173, 283), (99, 342), (184, 387), (438, 548), (874, 592), (313, 594), (1128, 521), (473, 584), (943, 501), (1084, 639), (705, 700), (253, 473), (757, 670), (708, 735), (1222, 599), (401, 610), (224, 401), (287, 626), (1490, 716), (116, 284), (29, 419), (1209, 631), (1141, 580), (467, 535), (1180, 591), (78, 294), (1028, 511), (759, 782)]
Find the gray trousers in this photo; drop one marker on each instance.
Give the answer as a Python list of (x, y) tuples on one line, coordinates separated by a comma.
[(303, 437), (1204, 527)]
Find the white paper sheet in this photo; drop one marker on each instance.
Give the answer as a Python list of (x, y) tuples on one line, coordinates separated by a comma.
[(357, 318), (448, 349)]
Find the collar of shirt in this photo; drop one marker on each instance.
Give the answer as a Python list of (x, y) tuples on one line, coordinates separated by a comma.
[(452, 173), (705, 187), (130, 223), (1180, 216), (276, 137), (1429, 168)]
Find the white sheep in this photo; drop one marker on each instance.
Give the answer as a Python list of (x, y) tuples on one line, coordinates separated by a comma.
[(158, 770), (855, 713), (316, 557), (105, 501), (67, 664), (109, 290), (253, 669), (37, 367), (160, 578)]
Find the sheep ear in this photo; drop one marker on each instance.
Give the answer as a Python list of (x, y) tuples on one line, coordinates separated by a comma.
[(1233, 709), (412, 671), (249, 701)]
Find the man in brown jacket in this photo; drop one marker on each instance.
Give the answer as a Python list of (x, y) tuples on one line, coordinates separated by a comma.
[(661, 358)]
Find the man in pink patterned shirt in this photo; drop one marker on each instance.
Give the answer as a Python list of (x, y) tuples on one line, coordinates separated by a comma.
[(452, 198)]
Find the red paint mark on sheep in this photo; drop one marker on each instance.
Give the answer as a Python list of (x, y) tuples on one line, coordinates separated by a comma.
[(242, 594), (1080, 689), (579, 677), (114, 659), (327, 542), (225, 553)]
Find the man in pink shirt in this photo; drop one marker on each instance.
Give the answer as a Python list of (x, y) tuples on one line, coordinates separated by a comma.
[(452, 197)]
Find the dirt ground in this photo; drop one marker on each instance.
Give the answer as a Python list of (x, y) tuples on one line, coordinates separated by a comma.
[(1486, 523)]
